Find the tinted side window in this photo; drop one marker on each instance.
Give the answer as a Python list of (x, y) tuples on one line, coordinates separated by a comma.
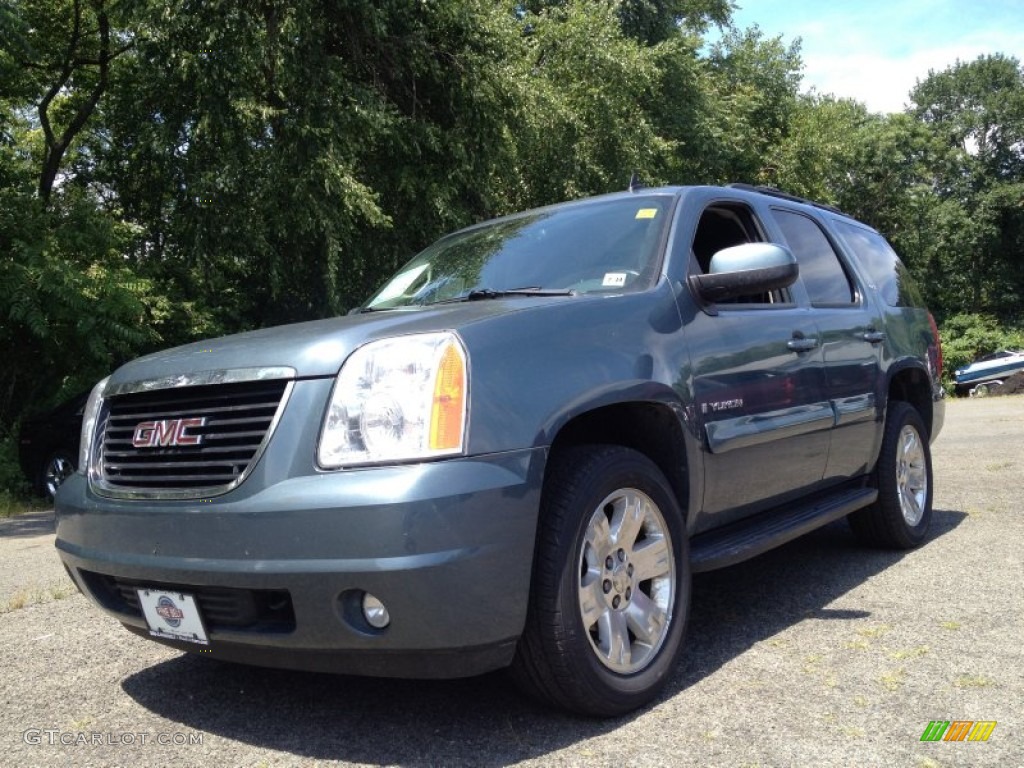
[(882, 264), (822, 272)]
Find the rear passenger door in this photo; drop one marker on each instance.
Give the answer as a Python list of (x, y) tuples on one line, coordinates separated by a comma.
[(851, 337), (757, 380)]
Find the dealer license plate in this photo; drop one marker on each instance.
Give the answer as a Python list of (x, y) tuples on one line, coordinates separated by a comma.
[(172, 615)]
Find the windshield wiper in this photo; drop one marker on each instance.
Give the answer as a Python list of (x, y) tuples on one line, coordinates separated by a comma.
[(365, 310), (477, 294)]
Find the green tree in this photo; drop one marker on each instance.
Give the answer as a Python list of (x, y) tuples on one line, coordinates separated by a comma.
[(977, 109), (652, 21), (817, 153), (755, 81), (71, 307), (178, 170), (583, 85), (290, 158), (63, 55)]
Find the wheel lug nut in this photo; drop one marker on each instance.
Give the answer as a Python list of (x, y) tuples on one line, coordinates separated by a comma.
[(616, 601), (622, 555), (607, 586), (609, 563), (629, 569), (629, 592)]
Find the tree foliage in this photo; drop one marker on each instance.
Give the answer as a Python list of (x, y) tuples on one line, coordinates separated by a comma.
[(977, 109), (177, 170)]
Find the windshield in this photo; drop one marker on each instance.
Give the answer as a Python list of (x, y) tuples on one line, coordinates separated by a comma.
[(601, 246)]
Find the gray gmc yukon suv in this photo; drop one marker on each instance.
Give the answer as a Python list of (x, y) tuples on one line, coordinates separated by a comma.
[(517, 452)]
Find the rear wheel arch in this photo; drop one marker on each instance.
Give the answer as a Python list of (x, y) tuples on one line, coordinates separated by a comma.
[(901, 515), (911, 384)]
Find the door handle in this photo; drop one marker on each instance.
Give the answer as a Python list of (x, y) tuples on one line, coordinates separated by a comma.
[(873, 336), (802, 343)]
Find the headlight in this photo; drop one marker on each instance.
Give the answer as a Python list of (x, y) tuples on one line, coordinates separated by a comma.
[(92, 410), (398, 399)]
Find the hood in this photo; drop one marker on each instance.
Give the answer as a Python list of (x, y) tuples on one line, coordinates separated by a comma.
[(319, 347)]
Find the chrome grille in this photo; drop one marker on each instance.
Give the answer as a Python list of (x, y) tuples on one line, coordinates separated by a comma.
[(225, 429)]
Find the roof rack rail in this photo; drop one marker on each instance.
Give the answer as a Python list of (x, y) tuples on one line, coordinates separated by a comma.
[(775, 192)]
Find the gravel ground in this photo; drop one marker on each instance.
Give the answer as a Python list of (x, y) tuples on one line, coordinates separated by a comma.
[(819, 653)]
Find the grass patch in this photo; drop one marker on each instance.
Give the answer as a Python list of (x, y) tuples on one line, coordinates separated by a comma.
[(999, 467), (36, 595), (893, 681), (952, 626), (974, 681), (875, 631), (12, 505), (910, 653), (811, 663)]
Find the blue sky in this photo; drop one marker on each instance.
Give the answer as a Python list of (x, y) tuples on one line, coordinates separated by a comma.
[(875, 50)]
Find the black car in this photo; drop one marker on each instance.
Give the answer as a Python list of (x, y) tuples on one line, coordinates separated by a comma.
[(48, 445)]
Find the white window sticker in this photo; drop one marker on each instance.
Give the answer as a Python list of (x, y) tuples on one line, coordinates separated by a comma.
[(614, 280)]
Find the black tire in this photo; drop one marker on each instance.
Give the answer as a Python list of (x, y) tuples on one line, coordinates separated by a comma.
[(559, 659), (59, 465), (900, 518)]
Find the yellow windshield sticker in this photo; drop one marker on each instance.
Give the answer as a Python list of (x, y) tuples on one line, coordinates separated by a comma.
[(647, 213)]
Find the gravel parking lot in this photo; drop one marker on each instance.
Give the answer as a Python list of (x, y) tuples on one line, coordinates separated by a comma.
[(820, 653)]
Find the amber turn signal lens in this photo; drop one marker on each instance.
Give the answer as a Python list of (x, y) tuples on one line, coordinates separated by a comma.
[(448, 412)]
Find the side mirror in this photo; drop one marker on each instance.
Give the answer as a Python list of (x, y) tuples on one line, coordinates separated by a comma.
[(747, 269)]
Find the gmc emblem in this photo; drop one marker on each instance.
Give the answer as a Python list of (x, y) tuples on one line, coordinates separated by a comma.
[(169, 432)]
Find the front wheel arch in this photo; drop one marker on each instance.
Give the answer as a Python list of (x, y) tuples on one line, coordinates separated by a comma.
[(655, 428)]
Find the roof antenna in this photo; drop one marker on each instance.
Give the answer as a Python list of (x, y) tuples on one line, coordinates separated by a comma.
[(635, 183)]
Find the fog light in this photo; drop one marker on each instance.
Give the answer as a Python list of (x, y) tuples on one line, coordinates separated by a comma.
[(374, 612)]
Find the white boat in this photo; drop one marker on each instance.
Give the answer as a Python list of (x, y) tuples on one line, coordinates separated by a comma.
[(990, 369)]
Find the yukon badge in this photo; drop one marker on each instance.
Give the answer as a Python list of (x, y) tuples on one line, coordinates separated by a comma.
[(167, 433)]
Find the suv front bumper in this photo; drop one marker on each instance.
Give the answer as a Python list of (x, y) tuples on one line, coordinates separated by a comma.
[(447, 546)]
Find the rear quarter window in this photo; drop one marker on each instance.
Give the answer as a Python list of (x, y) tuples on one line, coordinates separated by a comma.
[(884, 268)]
